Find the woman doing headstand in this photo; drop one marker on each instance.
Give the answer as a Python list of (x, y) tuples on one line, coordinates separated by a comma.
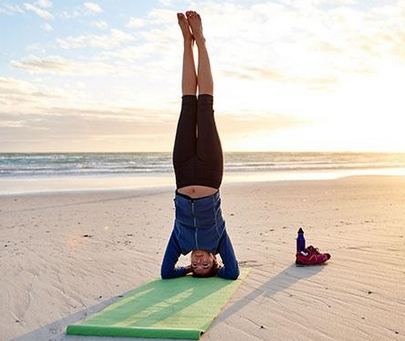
[(199, 227)]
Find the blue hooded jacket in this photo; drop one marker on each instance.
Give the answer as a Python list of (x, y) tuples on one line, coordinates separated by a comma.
[(199, 225)]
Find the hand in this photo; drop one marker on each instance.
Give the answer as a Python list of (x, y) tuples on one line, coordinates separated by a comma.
[(189, 269)]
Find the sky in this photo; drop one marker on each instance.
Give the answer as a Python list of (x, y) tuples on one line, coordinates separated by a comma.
[(105, 75)]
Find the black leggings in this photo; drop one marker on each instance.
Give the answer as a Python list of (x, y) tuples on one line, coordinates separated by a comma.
[(197, 153)]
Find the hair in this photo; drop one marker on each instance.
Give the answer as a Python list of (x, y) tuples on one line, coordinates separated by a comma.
[(213, 271)]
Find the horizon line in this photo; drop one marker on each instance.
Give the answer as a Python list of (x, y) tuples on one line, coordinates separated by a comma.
[(229, 151)]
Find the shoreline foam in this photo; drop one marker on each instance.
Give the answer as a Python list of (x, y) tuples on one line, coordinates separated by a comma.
[(49, 184)]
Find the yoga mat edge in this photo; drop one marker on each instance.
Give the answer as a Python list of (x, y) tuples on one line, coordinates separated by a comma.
[(166, 333)]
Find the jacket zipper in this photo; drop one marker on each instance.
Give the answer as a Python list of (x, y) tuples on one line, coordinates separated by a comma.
[(195, 225)]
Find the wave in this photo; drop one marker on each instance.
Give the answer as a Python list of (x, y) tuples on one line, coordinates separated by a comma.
[(75, 164)]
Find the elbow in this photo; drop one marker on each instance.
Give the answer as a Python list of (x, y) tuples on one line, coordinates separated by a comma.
[(165, 274), (231, 274), (234, 274)]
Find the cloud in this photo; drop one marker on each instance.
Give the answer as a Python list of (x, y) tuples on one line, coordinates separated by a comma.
[(166, 2), (92, 6), (77, 11), (249, 121), (161, 16), (70, 14), (57, 65), (10, 9), (12, 86), (122, 129), (106, 41), (18, 97), (327, 47), (40, 12), (11, 124), (48, 64), (44, 117), (73, 132), (265, 73), (312, 59), (136, 22), (99, 24), (254, 73), (117, 128), (135, 53), (46, 27), (60, 66), (398, 49), (44, 3), (33, 99), (36, 48)]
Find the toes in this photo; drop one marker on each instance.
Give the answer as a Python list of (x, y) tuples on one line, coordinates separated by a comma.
[(192, 14), (181, 17)]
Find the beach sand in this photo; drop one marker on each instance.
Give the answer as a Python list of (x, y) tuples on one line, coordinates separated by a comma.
[(66, 255)]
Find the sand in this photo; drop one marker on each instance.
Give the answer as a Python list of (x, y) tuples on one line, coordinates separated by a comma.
[(66, 255)]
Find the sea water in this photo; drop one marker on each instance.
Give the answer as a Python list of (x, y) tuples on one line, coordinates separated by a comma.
[(21, 171)]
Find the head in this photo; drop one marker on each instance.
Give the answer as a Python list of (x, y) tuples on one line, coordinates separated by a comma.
[(203, 263)]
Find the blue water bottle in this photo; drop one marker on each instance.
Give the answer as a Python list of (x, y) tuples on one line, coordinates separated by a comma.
[(300, 240)]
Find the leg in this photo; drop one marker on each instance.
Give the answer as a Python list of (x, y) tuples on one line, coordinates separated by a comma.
[(189, 78), (209, 149), (205, 81), (185, 143), (186, 137)]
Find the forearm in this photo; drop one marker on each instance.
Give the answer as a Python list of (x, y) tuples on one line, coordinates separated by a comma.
[(172, 254), (173, 272), (230, 269)]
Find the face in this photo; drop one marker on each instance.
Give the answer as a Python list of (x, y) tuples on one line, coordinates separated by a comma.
[(201, 262)]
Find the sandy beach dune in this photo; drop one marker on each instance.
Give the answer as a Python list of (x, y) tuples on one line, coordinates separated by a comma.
[(66, 255)]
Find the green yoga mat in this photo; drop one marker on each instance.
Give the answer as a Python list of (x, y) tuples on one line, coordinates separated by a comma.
[(180, 308)]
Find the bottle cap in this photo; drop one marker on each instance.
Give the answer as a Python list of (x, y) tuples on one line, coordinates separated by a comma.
[(300, 230)]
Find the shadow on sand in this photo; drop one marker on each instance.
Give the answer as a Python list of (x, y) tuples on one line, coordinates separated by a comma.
[(283, 280)]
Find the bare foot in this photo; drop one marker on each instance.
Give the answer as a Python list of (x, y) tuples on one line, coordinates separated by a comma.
[(185, 28), (195, 23)]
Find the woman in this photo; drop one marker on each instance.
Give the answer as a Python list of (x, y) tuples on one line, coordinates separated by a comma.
[(199, 227)]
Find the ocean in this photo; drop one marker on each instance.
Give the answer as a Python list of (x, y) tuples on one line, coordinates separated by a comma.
[(44, 172), (77, 164)]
